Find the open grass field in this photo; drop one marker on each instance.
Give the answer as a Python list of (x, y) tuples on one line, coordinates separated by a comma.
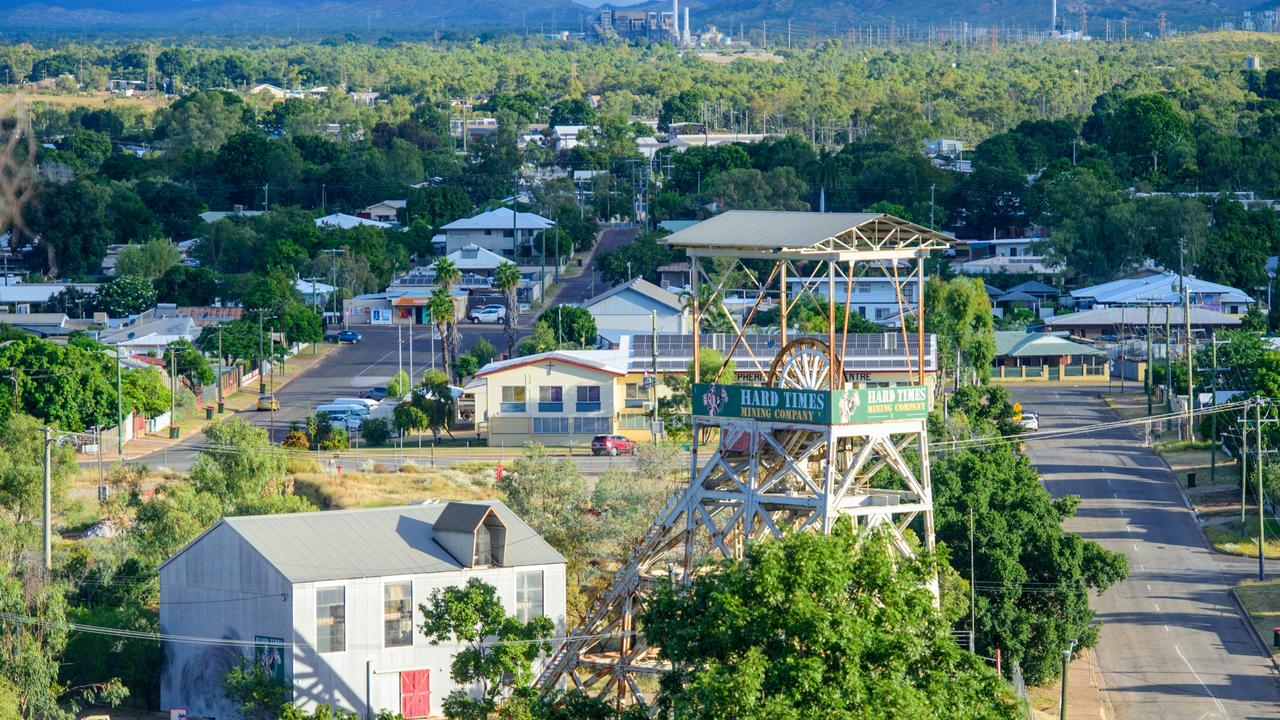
[(92, 100)]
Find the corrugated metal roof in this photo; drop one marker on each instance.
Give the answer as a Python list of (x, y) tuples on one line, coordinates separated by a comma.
[(340, 544), (1134, 316), (500, 219), (461, 517), (768, 229), (644, 287), (1164, 288), (1016, 343)]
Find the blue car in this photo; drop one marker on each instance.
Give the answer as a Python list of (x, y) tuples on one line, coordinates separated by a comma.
[(349, 336)]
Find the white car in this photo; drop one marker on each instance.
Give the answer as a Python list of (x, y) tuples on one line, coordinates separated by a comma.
[(489, 314), (1030, 421)]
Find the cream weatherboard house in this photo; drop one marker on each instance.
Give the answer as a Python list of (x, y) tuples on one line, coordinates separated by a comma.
[(328, 602)]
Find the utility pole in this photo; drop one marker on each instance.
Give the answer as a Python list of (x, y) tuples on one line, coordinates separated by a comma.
[(1244, 459), (1191, 387), (1262, 530), (333, 275), (653, 394), (411, 327), (173, 393), (973, 597), (1148, 376), (119, 410), (1168, 363), (399, 350), (1066, 659), (1213, 388), (48, 502)]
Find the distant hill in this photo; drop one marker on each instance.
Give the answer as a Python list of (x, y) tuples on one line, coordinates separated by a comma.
[(286, 16), (328, 16), (846, 14)]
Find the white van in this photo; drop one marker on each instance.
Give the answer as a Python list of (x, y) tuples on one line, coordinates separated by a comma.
[(347, 415), (356, 409), (365, 403)]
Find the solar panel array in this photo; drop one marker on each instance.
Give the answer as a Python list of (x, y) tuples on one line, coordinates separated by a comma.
[(862, 352)]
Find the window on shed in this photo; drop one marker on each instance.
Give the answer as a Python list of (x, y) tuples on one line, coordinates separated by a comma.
[(331, 619), (397, 614), (529, 595)]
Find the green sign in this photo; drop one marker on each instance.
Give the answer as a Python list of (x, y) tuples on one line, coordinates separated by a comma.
[(818, 407)]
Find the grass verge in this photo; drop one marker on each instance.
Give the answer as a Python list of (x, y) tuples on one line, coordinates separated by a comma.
[(1262, 601), (1231, 538)]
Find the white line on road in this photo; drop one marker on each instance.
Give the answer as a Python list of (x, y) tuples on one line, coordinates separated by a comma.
[(1157, 606), (1216, 702), (1148, 588), (1166, 628), (1135, 547)]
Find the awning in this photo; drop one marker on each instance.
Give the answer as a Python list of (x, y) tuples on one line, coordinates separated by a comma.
[(412, 301)]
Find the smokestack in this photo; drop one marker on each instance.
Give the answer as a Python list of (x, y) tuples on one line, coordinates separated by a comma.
[(675, 20), (686, 25), (1053, 19)]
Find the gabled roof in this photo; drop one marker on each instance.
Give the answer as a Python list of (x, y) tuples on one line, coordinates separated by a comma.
[(500, 219), (396, 204), (1015, 343), (1016, 296), (588, 359), (346, 222), (474, 257), (807, 235), (1163, 288), (1135, 316), (643, 287), (462, 517), (374, 542), (1034, 287)]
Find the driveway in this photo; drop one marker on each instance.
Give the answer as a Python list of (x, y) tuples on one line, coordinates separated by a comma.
[(1173, 644)]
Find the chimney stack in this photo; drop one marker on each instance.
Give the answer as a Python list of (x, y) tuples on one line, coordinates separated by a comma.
[(675, 21), (686, 36)]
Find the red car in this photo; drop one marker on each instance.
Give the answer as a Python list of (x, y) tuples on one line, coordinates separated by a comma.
[(612, 445)]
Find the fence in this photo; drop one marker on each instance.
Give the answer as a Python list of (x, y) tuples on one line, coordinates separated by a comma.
[(1020, 687)]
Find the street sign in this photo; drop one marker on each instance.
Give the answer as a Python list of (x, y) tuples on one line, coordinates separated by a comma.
[(819, 407), (380, 316), (1017, 411)]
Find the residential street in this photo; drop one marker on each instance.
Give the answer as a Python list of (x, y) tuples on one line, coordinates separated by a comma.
[(351, 369), (1173, 644)]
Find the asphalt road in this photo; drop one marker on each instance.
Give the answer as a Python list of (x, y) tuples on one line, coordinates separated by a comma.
[(1173, 644), (351, 369)]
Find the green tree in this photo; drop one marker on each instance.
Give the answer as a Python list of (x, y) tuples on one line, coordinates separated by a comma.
[(242, 469), (958, 312), (258, 694), (495, 649), (817, 626), (200, 121), (483, 351), (443, 315), (376, 431), (1034, 579), (507, 279), (22, 469), (571, 326), (193, 366), (126, 295), (148, 261), (187, 286)]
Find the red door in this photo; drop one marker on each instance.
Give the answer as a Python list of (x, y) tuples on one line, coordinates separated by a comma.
[(415, 693)]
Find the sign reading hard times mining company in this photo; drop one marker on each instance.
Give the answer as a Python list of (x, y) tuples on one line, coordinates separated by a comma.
[(820, 407)]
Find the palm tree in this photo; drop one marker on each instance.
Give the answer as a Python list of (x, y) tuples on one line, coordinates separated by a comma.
[(825, 170), (441, 311), (507, 279), (447, 273)]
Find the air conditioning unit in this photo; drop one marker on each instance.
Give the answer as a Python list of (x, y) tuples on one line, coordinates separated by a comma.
[(648, 407)]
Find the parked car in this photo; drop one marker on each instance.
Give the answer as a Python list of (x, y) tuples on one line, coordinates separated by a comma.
[(375, 393), (489, 314), (349, 336), (331, 336), (268, 402), (612, 445), (366, 403), (1030, 421)]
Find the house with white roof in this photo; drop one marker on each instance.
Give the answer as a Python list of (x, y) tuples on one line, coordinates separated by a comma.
[(385, 211), (342, 221), (496, 231), (328, 602), (565, 137), (632, 308), (1164, 289), (151, 335)]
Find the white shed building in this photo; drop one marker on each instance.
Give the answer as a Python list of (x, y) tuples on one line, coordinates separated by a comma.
[(328, 601)]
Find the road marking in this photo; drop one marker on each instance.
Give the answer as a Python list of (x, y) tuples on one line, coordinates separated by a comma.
[(1148, 588), (1216, 702), (1135, 547), (1157, 606), (1166, 628)]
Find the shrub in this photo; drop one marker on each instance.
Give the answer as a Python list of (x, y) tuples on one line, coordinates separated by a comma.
[(376, 431), (296, 440)]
